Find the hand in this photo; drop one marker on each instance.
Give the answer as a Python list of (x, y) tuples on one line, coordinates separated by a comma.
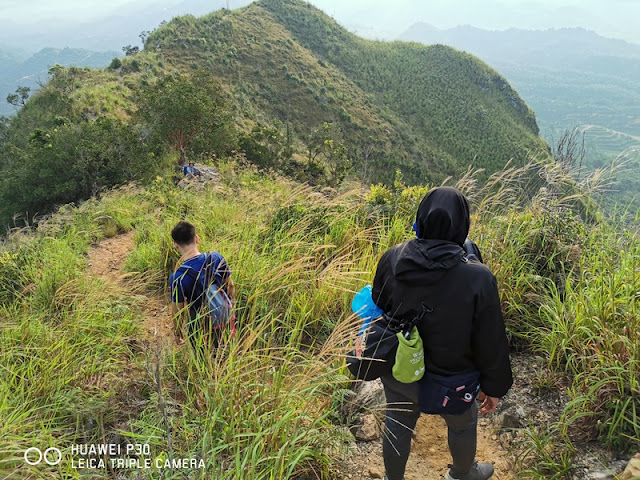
[(489, 404)]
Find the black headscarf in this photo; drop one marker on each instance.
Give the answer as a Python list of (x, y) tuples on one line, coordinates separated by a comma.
[(443, 214)]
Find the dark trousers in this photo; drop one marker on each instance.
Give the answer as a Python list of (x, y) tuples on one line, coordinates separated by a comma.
[(403, 412)]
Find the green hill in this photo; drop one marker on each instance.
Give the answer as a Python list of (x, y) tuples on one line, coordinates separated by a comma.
[(432, 110), (302, 95)]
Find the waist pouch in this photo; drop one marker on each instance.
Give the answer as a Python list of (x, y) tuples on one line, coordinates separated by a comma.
[(452, 395)]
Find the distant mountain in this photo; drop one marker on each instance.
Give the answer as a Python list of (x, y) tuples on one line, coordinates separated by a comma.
[(111, 33), (570, 77), (543, 47), (32, 72)]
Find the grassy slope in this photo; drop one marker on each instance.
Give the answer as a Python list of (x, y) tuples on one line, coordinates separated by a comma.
[(431, 110), (450, 103), (266, 408)]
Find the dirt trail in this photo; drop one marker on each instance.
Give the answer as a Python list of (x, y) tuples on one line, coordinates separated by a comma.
[(106, 261), (430, 456), (429, 453)]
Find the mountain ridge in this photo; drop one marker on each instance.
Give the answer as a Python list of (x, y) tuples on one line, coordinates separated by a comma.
[(328, 101), (333, 45)]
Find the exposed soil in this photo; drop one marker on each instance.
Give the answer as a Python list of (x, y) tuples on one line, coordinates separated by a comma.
[(106, 261), (430, 456), (537, 400)]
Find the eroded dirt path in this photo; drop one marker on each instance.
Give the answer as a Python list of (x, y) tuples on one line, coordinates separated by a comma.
[(430, 456), (106, 261)]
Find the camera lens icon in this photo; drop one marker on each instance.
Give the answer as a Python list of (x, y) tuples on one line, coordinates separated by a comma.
[(51, 456)]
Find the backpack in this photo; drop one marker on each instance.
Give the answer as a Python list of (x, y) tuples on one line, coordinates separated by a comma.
[(216, 304), (471, 249)]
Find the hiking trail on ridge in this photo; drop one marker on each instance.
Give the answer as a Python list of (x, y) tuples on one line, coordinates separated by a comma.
[(429, 452), (106, 261)]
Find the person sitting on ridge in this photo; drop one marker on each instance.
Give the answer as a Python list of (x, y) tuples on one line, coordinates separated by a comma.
[(191, 171)]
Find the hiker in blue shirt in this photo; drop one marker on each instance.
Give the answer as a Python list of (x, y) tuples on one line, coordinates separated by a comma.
[(188, 283), (191, 171)]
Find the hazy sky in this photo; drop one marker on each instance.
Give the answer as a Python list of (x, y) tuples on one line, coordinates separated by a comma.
[(613, 18), (387, 19)]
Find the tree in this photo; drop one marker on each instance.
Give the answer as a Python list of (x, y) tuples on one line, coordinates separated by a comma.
[(265, 146), (185, 110), (19, 98), (70, 162), (130, 50), (4, 129), (325, 144)]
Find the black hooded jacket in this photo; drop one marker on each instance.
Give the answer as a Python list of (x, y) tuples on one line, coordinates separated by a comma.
[(461, 326)]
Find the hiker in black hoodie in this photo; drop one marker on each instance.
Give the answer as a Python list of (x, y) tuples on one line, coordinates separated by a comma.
[(462, 328)]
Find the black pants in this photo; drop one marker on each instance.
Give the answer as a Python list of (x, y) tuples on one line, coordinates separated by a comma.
[(403, 412)]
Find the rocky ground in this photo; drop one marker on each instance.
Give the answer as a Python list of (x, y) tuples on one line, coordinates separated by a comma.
[(208, 175), (536, 401)]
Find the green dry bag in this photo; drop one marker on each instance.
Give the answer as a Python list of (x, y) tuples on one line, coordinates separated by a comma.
[(409, 366)]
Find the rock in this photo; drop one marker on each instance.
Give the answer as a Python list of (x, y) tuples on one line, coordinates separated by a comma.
[(208, 174), (376, 472), (368, 431), (603, 475), (610, 472), (512, 417), (370, 395), (366, 396), (633, 469)]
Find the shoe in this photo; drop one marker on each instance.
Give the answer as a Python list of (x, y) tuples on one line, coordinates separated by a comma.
[(479, 471)]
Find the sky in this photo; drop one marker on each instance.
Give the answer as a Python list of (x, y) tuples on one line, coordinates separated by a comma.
[(612, 18), (385, 19)]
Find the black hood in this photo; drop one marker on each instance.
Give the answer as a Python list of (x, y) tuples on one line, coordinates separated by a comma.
[(443, 215), (442, 225), (426, 260)]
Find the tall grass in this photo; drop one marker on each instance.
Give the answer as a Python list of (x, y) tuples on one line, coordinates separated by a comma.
[(64, 341), (264, 406), (569, 284)]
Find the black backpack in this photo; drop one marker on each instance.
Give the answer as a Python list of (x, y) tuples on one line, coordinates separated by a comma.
[(472, 250)]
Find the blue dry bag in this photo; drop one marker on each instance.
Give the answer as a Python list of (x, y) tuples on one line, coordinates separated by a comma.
[(363, 306)]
